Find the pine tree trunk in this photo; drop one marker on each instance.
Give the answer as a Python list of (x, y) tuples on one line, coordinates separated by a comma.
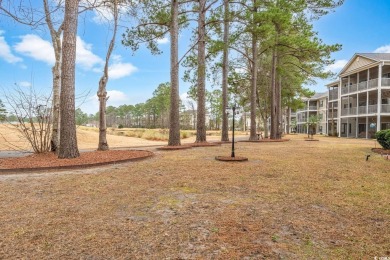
[(68, 144), (174, 116), (279, 107), (253, 130), (288, 117), (225, 70), (201, 117), (274, 96)]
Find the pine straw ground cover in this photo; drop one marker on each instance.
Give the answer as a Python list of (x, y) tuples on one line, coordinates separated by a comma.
[(291, 200)]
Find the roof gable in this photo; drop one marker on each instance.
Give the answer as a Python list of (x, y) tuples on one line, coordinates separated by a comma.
[(356, 62)]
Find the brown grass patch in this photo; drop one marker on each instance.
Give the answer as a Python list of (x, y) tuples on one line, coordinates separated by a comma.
[(291, 200)]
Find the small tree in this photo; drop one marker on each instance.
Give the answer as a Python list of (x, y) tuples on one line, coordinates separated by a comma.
[(312, 125), (383, 138), (33, 112)]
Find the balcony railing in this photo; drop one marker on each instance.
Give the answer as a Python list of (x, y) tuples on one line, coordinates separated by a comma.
[(373, 83), (312, 107), (301, 120), (385, 108), (372, 109), (352, 88), (362, 110), (352, 110), (385, 82), (362, 85)]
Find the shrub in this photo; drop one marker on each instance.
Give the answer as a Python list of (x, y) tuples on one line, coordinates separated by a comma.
[(120, 126), (383, 138)]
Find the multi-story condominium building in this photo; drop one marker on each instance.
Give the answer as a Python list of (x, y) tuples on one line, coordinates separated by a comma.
[(314, 106), (359, 102)]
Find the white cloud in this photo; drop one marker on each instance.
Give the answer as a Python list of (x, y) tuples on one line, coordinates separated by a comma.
[(383, 49), (116, 97), (5, 51), (163, 40), (35, 47), (337, 66), (120, 70), (24, 84), (85, 57)]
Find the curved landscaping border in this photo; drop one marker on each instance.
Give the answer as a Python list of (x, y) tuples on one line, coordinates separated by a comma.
[(204, 144), (266, 141), (173, 148), (76, 166)]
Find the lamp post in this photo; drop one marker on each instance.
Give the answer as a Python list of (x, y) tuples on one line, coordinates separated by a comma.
[(233, 108)]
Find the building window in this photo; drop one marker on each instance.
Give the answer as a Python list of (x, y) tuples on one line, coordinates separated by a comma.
[(320, 128), (343, 128), (321, 103)]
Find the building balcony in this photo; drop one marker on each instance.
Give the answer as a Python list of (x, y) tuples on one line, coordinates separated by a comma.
[(364, 85), (312, 107), (372, 109)]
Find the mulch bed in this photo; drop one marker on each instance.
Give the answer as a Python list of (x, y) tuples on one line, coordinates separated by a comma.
[(48, 161), (204, 144), (231, 159), (381, 151)]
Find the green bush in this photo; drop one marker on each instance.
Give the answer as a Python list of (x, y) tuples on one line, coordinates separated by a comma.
[(120, 126), (383, 138)]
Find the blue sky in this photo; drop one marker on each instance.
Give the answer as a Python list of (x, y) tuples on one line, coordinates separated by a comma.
[(26, 56)]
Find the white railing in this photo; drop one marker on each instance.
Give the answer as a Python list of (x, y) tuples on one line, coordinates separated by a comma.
[(301, 120), (385, 108), (293, 114), (362, 110), (312, 107), (385, 82), (344, 112), (344, 90), (373, 83), (372, 109), (352, 88), (362, 85), (352, 110)]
